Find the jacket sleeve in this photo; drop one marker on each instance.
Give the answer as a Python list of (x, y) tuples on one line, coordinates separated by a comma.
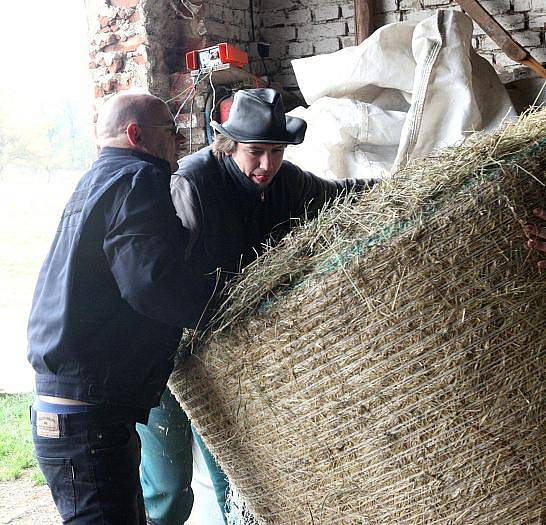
[(311, 193), (188, 208), (144, 245)]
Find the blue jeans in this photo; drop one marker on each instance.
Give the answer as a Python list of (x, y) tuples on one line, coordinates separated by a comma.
[(90, 462), (167, 465), (219, 480), (166, 468)]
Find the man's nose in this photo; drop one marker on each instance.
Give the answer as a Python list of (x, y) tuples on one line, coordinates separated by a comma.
[(265, 161)]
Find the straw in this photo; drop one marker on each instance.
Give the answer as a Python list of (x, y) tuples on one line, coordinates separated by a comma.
[(386, 363)]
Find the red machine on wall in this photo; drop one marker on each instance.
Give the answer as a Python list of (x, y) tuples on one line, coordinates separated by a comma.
[(223, 65), (216, 56)]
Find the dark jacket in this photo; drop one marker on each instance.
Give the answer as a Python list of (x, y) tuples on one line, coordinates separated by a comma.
[(114, 290), (229, 217)]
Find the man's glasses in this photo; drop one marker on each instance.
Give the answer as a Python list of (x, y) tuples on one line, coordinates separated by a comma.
[(173, 129)]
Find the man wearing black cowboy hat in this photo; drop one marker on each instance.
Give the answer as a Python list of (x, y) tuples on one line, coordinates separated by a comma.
[(234, 196)]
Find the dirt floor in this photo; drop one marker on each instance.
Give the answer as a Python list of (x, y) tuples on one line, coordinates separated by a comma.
[(23, 503)]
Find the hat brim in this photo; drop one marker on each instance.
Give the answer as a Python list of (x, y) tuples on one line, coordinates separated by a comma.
[(294, 134)]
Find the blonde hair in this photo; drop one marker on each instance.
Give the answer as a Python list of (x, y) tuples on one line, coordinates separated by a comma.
[(222, 145)]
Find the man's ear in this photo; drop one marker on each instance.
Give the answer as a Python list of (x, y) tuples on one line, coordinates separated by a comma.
[(133, 134)]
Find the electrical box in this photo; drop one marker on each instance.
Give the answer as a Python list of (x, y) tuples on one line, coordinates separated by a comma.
[(216, 56)]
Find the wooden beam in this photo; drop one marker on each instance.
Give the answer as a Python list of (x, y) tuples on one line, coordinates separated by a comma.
[(363, 20)]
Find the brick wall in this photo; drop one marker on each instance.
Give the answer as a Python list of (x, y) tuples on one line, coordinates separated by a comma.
[(305, 27), (142, 43), (228, 20), (524, 19), (118, 46), (220, 21)]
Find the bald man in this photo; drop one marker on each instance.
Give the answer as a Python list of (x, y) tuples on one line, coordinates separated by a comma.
[(111, 299)]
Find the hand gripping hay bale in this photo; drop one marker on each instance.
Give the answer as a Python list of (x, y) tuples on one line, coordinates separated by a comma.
[(386, 364)]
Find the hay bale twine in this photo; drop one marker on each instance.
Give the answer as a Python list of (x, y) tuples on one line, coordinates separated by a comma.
[(386, 364)]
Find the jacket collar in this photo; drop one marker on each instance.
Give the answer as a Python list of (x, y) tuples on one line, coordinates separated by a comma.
[(109, 152), (252, 190)]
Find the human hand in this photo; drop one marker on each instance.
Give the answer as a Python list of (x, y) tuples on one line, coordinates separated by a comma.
[(538, 234)]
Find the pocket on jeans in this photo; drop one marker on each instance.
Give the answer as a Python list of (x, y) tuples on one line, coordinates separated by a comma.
[(110, 438), (116, 460), (59, 475)]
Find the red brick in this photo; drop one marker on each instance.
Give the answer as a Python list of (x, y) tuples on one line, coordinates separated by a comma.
[(122, 86), (107, 85), (117, 65), (104, 21), (139, 59), (124, 3), (127, 12), (105, 40), (135, 17), (108, 29), (131, 44)]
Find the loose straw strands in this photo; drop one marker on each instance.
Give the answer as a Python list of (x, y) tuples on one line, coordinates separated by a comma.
[(406, 195), (387, 362)]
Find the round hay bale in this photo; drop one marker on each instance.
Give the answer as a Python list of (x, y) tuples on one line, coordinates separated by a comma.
[(387, 362)]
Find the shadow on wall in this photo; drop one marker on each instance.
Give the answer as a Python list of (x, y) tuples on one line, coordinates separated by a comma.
[(527, 92)]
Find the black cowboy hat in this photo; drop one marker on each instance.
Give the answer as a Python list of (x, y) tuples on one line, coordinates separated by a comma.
[(257, 115)]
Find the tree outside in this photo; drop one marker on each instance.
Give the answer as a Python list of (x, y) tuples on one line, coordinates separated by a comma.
[(46, 144), (52, 137)]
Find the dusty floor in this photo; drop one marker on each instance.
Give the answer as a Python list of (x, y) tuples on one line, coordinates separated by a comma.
[(23, 503)]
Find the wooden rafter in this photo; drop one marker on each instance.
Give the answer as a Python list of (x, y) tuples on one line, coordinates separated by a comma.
[(363, 20)]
